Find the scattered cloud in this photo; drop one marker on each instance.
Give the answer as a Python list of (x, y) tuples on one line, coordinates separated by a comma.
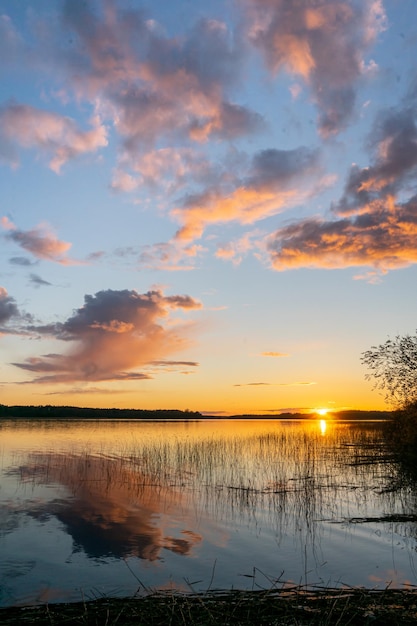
[(21, 260), (85, 391), (393, 145), (8, 307), (274, 182), (113, 333), (23, 126), (323, 44), (152, 85), (37, 281), (175, 363), (235, 251), (170, 256), (275, 354), (168, 168), (39, 241), (375, 228), (384, 239), (12, 321), (295, 384), (252, 385)]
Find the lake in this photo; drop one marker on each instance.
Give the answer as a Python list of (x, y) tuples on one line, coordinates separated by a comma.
[(108, 508)]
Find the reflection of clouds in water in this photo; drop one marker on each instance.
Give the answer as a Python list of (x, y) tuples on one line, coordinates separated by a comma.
[(114, 511), (14, 569)]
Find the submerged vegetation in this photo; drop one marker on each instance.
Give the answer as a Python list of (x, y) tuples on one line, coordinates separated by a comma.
[(271, 476)]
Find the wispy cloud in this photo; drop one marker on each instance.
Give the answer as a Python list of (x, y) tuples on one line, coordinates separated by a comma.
[(235, 251), (260, 384), (323, 44), (22, 261), (165, 168), (170, 256), (37, 281), (40, 241), (23, 126), (113, 333), (275, 354)]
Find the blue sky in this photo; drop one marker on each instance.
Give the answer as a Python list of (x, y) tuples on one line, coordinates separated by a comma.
[(205, 205)]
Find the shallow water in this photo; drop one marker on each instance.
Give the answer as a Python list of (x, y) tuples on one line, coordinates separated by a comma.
[(92, 509)]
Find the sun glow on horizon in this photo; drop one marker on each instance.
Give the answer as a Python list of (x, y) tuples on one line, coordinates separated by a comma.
[(322, 411)]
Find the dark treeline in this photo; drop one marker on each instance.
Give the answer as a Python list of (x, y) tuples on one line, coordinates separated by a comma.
[(73, 412), (348, 415)]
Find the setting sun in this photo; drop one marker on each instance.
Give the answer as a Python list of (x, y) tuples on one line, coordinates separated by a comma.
[(322, 411)]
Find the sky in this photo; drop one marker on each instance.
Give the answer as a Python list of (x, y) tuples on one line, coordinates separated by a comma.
[(205, 205)]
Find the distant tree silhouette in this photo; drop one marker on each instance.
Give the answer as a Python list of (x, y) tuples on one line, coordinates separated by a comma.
[(393, 366)]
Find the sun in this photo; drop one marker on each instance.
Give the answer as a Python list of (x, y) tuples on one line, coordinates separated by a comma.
[(322, 411)]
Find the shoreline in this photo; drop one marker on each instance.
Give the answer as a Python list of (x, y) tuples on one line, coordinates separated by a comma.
[(284, 606), (72, 413)]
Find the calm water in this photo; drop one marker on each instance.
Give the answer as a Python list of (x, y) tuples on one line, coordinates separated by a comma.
[(92, 509)]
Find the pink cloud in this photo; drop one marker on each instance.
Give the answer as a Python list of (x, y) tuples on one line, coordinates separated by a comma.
[(171, 256), (235, 251), (39, 241), (150, 84), (323, 44), (168, 167), (113, 333), (23, 126)]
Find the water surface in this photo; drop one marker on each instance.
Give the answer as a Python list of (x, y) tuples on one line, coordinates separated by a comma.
[(92, 509)]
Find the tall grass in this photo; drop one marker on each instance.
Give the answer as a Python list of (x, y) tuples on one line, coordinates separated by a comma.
[(285, 473)]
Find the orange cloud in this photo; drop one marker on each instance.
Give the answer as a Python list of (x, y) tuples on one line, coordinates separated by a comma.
[(273, 183), (113, 333), (393, 143), (384, 239), (374, 228), (275, 354)]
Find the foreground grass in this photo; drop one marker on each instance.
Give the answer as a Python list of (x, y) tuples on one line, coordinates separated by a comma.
[(285, 607)]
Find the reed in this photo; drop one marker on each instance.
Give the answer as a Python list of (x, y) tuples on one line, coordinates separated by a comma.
[(294, 606)]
